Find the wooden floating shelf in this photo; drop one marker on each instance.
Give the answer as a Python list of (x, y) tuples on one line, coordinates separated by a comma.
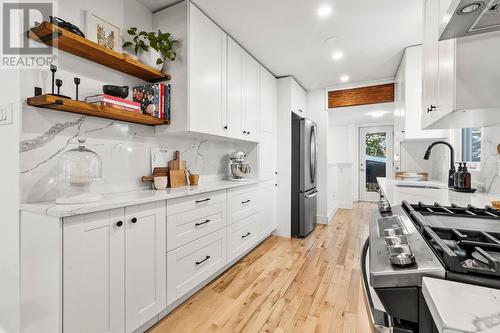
[(65, 40), (88, 109)]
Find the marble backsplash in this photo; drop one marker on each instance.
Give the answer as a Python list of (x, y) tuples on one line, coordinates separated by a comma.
[(124, 149), (488, 175)]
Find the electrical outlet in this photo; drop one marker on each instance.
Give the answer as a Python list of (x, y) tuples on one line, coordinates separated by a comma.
[(6, 114)]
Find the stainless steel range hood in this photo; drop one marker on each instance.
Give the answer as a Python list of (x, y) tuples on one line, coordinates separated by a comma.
[(470, 17)]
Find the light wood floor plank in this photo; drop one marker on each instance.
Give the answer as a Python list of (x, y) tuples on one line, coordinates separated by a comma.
[(286, 285)]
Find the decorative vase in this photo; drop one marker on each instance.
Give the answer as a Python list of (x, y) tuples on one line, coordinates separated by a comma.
[(154, 55)]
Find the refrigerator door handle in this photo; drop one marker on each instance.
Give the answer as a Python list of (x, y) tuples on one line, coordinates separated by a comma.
[(312, 195), (313, 152)]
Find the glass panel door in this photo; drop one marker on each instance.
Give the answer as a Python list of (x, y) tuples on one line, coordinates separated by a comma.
[(375, 159)]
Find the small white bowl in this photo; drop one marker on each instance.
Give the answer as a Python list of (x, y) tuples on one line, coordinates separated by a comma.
[(161, 182)]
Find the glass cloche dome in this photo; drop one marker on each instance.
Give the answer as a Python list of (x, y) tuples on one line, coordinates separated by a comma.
[(78, 168)]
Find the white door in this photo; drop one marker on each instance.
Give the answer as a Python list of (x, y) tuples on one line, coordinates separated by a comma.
[(93, 265), (207, 75), (235, 121), (251, 96), (145, 262), (375, 159)]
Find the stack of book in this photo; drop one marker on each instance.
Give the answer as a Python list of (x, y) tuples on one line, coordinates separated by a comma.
[(114, 102), (154, 99)]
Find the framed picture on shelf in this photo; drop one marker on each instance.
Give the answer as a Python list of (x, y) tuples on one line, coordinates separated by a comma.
[(102, 32)]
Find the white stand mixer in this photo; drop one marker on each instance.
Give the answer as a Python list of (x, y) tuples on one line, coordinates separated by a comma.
[(237, 167)]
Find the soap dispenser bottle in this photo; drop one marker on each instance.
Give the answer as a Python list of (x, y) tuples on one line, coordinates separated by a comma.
[(461, 180), (466, 178), (457, 173)]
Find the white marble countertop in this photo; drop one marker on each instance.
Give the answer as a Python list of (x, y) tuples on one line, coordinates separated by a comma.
[(122, 199), (458, 307), (395, 194)]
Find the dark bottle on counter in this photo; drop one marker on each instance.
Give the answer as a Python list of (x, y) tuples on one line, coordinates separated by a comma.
[(460, 176), (455, 176), (466, 178)]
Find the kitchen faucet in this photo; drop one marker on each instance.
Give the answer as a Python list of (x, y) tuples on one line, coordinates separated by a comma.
[(451, 172)]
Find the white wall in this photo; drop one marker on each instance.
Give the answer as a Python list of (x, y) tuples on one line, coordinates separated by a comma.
[(316, 111), (9, 206)]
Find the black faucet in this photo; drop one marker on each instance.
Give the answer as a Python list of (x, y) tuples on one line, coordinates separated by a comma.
[(451, 172)]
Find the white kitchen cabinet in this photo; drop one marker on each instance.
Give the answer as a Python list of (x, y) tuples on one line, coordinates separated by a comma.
[(114, 268), (194, 263), (145, 264), (298, 98), (199, 73), (267, 119), (242, 235), (242, 93), (93, 270), (408, 100), (267, 207), (207, 74), (215, 88), (459, 75), (242, 202)]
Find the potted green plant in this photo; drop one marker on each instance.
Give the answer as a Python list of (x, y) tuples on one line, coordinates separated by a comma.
[(138, 44), (164, 45)]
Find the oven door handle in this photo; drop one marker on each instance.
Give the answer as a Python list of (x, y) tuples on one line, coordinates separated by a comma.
[(379, 320)]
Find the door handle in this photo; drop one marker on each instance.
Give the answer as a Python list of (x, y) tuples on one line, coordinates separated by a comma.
[(312, 195), (201, 223)]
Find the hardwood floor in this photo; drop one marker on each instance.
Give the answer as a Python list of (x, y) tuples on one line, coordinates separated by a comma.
[(286, 285)]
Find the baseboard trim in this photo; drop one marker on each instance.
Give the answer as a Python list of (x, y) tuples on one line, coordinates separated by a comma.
[(322, 219), (344, 205)]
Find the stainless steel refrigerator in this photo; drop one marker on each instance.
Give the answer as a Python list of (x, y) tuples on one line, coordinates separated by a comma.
[(304, 176)]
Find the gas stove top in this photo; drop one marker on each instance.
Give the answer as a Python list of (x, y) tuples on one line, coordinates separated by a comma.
[(465, 239)]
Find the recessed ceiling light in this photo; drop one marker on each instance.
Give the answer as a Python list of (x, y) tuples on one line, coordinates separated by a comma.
[(337, 55), (324, 10), (344, 78)]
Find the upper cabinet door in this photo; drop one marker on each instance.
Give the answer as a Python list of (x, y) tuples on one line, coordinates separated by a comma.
[(93, 265), (145, 262), (251, 96), (267, 120), (298, 98), (207, 74), (235, 112), (430, 61)]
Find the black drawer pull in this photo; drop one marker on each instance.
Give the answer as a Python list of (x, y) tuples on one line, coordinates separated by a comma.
[(133, 220), (245, 236), (246, 201), (201, 223), (119, 223), (199, 201), (202, 261)]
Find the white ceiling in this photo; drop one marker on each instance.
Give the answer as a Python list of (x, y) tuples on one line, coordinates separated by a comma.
[(288, 37), (382, 113)]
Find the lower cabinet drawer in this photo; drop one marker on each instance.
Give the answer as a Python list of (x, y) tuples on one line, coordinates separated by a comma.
[(188, 226), (191, 264), (193, 202), (242, 235), (241, 203)]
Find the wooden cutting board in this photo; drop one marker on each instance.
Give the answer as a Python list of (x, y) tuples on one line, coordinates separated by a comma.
[(157, 172), (177, 163), (177, 178)]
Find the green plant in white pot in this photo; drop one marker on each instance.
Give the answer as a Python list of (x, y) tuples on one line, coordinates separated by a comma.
[(138, 44), (164, 45)]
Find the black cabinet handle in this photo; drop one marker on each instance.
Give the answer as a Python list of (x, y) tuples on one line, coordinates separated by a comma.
[(225, 127), (119, 223), (246, 201), (133, 220), (201, 223), (300, 110), (244, 132), (431, 108), (245, 236), (202, 261), (248, 132), (199, 201)]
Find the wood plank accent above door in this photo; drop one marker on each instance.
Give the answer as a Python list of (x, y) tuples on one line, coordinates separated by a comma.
[(383, 93)]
